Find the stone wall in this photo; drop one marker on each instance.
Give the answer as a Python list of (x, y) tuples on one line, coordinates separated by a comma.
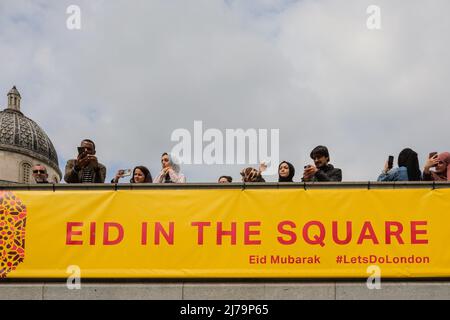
[(10, 167), (179, 290)]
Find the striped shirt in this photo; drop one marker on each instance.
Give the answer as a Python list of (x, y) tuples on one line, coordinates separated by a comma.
[(87, 175)]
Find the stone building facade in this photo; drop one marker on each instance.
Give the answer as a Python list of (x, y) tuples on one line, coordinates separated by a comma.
[(23, 144)]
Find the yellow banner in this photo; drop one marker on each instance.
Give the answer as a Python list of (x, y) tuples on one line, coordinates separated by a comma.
[(225, 233)]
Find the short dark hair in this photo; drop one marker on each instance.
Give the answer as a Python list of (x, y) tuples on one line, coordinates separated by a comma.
[(90, 141), (229, 179), (320, 151)]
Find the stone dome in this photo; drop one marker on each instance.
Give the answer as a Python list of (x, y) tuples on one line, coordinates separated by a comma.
[(22, 135)]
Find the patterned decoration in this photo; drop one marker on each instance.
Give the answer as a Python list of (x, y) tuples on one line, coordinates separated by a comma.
[(6, 128), (13, 215), (19, 131)]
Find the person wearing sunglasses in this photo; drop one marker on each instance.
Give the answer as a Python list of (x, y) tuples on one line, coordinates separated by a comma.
[(170, 172), (40, 174)]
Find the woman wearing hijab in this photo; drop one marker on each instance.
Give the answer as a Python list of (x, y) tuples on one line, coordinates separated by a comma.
[(408, 168), (441, 163), (140, 175), (286, 172), (170, 172)]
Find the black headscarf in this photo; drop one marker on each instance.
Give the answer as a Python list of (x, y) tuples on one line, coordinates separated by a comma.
[(291, 173), (408, 158)]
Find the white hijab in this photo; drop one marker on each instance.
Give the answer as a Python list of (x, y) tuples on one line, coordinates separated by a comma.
[(174, 163)]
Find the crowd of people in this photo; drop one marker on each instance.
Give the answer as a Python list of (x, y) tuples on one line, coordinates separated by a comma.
[(87, 169)]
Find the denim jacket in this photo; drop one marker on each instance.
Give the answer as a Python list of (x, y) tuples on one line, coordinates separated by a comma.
[(396, 174)]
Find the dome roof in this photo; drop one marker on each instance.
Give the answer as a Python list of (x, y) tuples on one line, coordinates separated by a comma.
[(22, 135)]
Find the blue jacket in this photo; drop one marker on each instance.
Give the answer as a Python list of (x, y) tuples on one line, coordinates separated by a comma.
[(396, 174)]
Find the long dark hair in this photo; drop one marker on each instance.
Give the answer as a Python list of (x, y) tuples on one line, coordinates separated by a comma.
[(408, 158), (145, 171)]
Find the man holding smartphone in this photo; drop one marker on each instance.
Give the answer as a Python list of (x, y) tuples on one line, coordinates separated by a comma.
[(85, 168), (321, 171)]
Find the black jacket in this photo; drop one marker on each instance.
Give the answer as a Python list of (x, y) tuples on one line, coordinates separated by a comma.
[(328, 173)]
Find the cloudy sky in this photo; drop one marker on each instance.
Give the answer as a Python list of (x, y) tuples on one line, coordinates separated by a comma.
[(138, 70)]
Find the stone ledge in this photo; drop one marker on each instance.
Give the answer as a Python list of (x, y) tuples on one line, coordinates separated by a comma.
[(227, 291)]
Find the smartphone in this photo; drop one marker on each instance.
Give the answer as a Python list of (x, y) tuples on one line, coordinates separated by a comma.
[(390, 162), (126, 172), (81, 150), (432, 154)]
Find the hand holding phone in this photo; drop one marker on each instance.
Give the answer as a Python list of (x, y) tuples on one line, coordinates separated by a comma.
[(125, 172), (81, 150), (390, 164), (432, 154), (263, 166), (431, 162), (309, 172), (82, 160)]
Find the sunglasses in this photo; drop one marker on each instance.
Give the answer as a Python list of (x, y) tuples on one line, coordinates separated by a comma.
[(165, 160), (39, 171)]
